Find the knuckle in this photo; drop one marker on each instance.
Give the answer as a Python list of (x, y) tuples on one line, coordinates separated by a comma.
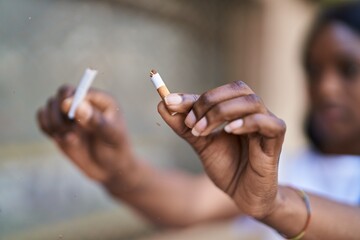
[(205, 101), (99, 121), (207, 98), (217, 111), (255, 100), (63, 88), (110, 98), (282, 126), (50, 102), (238, 85), (194, 97)]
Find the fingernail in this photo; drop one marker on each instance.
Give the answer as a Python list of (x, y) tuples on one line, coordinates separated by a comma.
[(227, 128), (84, 112), (190, 120), (173, 99), (234, 125), (65, 105), (195, 133), (67, 101), (200, 126)]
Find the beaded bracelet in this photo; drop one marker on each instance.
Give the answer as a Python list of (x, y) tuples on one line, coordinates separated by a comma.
[(306, 200)]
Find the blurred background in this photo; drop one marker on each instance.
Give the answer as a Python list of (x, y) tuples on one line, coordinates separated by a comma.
[(195, 45)]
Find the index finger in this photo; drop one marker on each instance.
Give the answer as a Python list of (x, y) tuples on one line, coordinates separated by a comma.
[(65, 91), (180, 102), (210, 98), (100, 99)]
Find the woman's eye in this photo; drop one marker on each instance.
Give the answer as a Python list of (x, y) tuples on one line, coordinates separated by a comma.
[(349, 70), (314, 73)]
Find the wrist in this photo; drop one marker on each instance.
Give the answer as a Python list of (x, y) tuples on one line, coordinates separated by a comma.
[(290, 214), (271, 208), (277, 204), (124, 178)]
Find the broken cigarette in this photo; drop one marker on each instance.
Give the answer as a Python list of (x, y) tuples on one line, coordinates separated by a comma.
[(81, 90), (159, 85)]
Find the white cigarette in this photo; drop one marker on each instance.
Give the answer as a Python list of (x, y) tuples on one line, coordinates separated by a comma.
[(81, 90)]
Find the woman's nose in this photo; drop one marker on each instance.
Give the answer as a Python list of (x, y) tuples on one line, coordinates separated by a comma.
[(329, 85)]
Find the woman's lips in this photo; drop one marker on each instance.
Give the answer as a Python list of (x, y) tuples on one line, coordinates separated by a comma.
[(331, 113)]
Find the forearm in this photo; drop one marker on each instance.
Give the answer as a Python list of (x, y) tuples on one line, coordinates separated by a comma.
[(329, 219), (172, 198)]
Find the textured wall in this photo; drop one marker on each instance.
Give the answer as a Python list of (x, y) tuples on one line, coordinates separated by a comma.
[(47, 43)]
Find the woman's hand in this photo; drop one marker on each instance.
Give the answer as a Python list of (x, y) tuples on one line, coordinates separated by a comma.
[(96, 141), (243, 159)]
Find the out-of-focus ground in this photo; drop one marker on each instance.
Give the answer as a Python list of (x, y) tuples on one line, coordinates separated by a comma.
[(195, 45)]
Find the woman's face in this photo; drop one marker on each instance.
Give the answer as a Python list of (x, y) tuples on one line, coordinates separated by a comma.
[(334, 85)]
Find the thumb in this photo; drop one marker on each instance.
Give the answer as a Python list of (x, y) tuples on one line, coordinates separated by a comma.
[(177, 123), (89, 118)]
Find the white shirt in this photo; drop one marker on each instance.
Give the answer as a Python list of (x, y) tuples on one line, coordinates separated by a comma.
[(334, 176)]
